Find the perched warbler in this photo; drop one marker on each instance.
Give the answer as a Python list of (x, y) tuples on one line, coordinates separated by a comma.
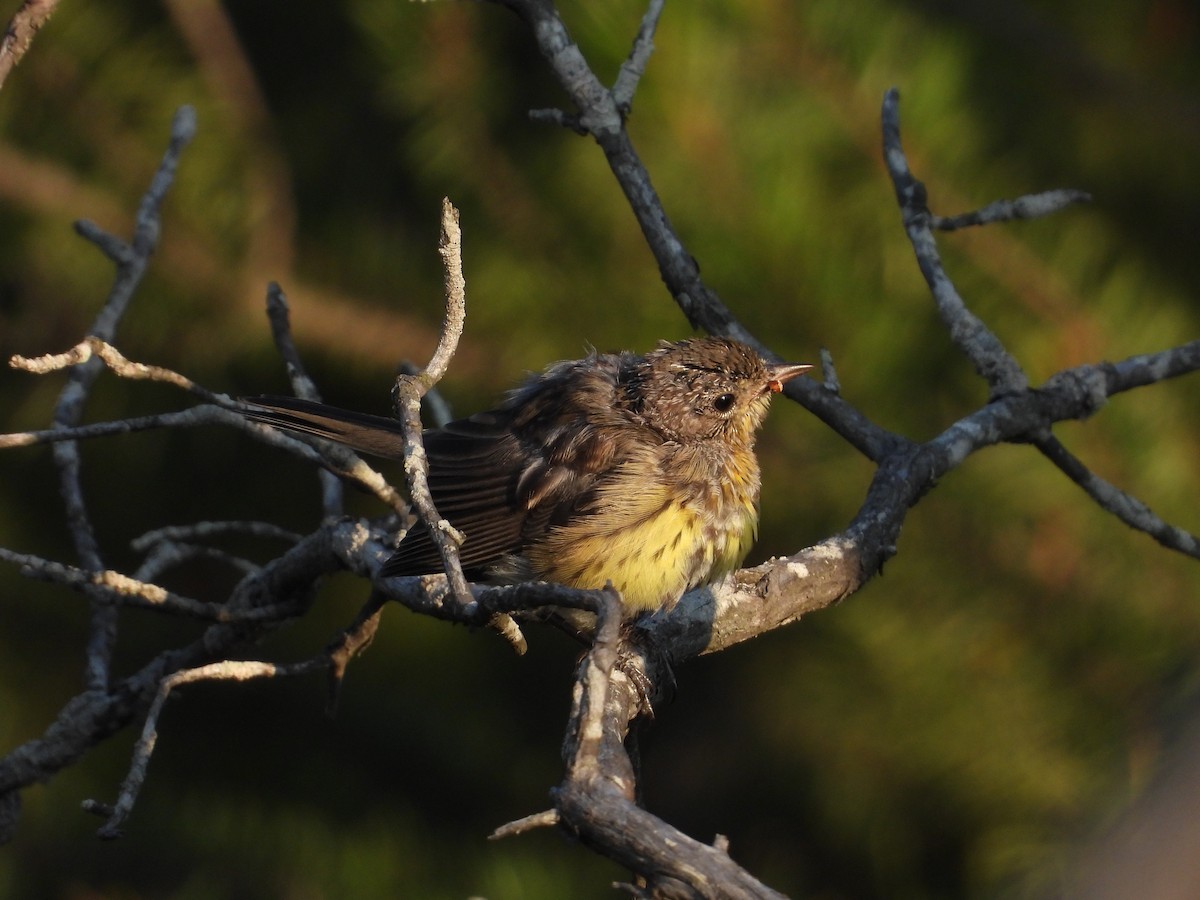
[(639, 470)]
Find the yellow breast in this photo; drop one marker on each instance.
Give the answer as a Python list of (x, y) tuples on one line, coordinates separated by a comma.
[(656, 531)]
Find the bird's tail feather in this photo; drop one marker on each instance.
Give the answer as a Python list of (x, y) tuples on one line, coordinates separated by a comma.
[(376, 435)]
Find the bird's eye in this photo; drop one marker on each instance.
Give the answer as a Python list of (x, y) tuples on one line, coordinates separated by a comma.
[(724, 403)]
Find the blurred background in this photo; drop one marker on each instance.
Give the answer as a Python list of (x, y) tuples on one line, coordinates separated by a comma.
[(957, 729)]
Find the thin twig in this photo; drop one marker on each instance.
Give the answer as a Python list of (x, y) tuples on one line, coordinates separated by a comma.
[(283, 588), (118, 251), (24, 25), (987, 354), (226, 670), (131, 265), (172, 554), (332, 496), (340, 460), (1130, 510), (350, 643), (197, 415), (450, 250), (600, 117), (118, 589), (244, 607), (546, 819), (407, 394), (1143, 369), (171, 546), (93, 348), (1030, 206), (635, 66), (203, 530)]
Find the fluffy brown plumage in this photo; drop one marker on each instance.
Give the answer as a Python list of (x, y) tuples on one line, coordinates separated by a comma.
[(634, 469)]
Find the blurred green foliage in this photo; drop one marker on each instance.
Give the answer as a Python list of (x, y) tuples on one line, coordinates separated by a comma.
[(1004, 689)]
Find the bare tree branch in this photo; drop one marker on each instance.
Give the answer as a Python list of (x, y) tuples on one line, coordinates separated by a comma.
[(302, 385), (1127, 508), (450, 250), (204, 530), (223, 410), (83, 352), (24, 25), (95, 715), (1031, 206), (336, 656), (406, 397), (226, 670), (989, 357), (600, 116), (782, 590), (597, 801), (118, 589), (131, 261), (635, 66)]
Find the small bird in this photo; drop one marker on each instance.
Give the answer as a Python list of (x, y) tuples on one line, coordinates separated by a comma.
[(634, 469)]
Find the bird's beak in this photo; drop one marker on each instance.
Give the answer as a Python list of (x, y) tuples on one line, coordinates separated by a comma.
[(780, 373)]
